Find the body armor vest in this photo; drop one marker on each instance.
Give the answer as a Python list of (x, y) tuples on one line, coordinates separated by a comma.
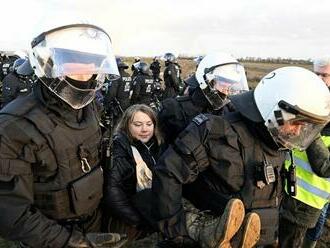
[(262, 188), (68, 179)]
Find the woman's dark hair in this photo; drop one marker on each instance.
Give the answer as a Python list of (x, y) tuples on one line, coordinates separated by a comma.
[(127, 118)]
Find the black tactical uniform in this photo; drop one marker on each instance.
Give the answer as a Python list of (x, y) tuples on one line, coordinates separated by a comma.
[(51, 180), (176, 113), (14, 86), (172, 79), (49, 160), (120, 90), (6, 66), (226, 156), (155, 68), (134, 68), (143, 89)]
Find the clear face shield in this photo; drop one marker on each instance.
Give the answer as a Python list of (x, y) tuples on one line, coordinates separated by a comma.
[(222, 81), (293, 128), (73, 62)]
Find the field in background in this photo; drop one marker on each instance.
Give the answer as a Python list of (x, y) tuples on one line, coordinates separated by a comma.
[(255, 70)]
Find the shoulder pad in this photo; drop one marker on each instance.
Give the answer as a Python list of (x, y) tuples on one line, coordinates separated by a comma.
[(20, 106), (199, 119)]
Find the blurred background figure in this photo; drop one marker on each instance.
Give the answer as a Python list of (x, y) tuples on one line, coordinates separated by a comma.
[(18, 82), (118, 94), (143, 85), (134, 66), (155, 68), (172, 76)]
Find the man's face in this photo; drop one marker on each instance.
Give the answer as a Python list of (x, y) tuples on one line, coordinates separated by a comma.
[(290, 130), (79, 72), (324, 73)]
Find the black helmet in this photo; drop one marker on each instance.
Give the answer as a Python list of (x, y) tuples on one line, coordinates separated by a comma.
[(25, 69), (169, 57), (17, 63), (121, 64), (144, 68)]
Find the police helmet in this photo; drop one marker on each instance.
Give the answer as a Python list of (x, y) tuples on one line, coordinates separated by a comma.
[(220, 75), (17, 63), (279, 101), (25, 69), (169, 57), (144, 68), (73, 60)]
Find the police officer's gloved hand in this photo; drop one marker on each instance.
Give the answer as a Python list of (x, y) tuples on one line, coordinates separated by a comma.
[(91, 240)]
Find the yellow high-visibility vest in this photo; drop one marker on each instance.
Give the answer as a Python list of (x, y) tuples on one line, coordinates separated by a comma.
[(311, 189)]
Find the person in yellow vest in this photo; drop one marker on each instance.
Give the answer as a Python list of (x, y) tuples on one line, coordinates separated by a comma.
[(307, 185), (322, 69)]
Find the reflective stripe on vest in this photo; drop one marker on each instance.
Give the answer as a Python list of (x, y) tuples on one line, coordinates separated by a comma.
[(311, 189)]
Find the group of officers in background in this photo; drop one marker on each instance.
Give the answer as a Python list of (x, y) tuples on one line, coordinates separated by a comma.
[(17, 77), (143, 85)]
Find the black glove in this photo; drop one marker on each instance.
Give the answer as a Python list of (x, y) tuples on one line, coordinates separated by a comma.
[(91, 240)]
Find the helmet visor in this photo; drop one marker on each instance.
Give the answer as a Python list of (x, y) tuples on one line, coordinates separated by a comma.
[(296, 134), (229, 79), (76, 93), (72, 61), (80, 44), (293, 127)]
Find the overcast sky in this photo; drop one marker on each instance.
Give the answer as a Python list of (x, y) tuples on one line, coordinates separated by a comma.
[(259, 28)]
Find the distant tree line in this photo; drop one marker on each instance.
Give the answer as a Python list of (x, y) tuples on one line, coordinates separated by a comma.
[(277, 60)]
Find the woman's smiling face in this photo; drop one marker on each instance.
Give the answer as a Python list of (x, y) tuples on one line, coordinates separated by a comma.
[(141, 127)]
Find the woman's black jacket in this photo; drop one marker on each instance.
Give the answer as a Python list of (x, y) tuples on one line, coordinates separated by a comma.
[(120, 180)]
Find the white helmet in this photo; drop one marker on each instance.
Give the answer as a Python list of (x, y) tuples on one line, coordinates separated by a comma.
[(219, 75), (295, 105), (73, 61)]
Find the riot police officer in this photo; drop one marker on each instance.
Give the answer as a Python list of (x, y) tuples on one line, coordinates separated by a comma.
[(50, 169), (143, 85), (117, 97), (135, 66), (155, 68), (8, 62), (16, 83), (6, 66), (172, 76), (176, 113), (239, 155)]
